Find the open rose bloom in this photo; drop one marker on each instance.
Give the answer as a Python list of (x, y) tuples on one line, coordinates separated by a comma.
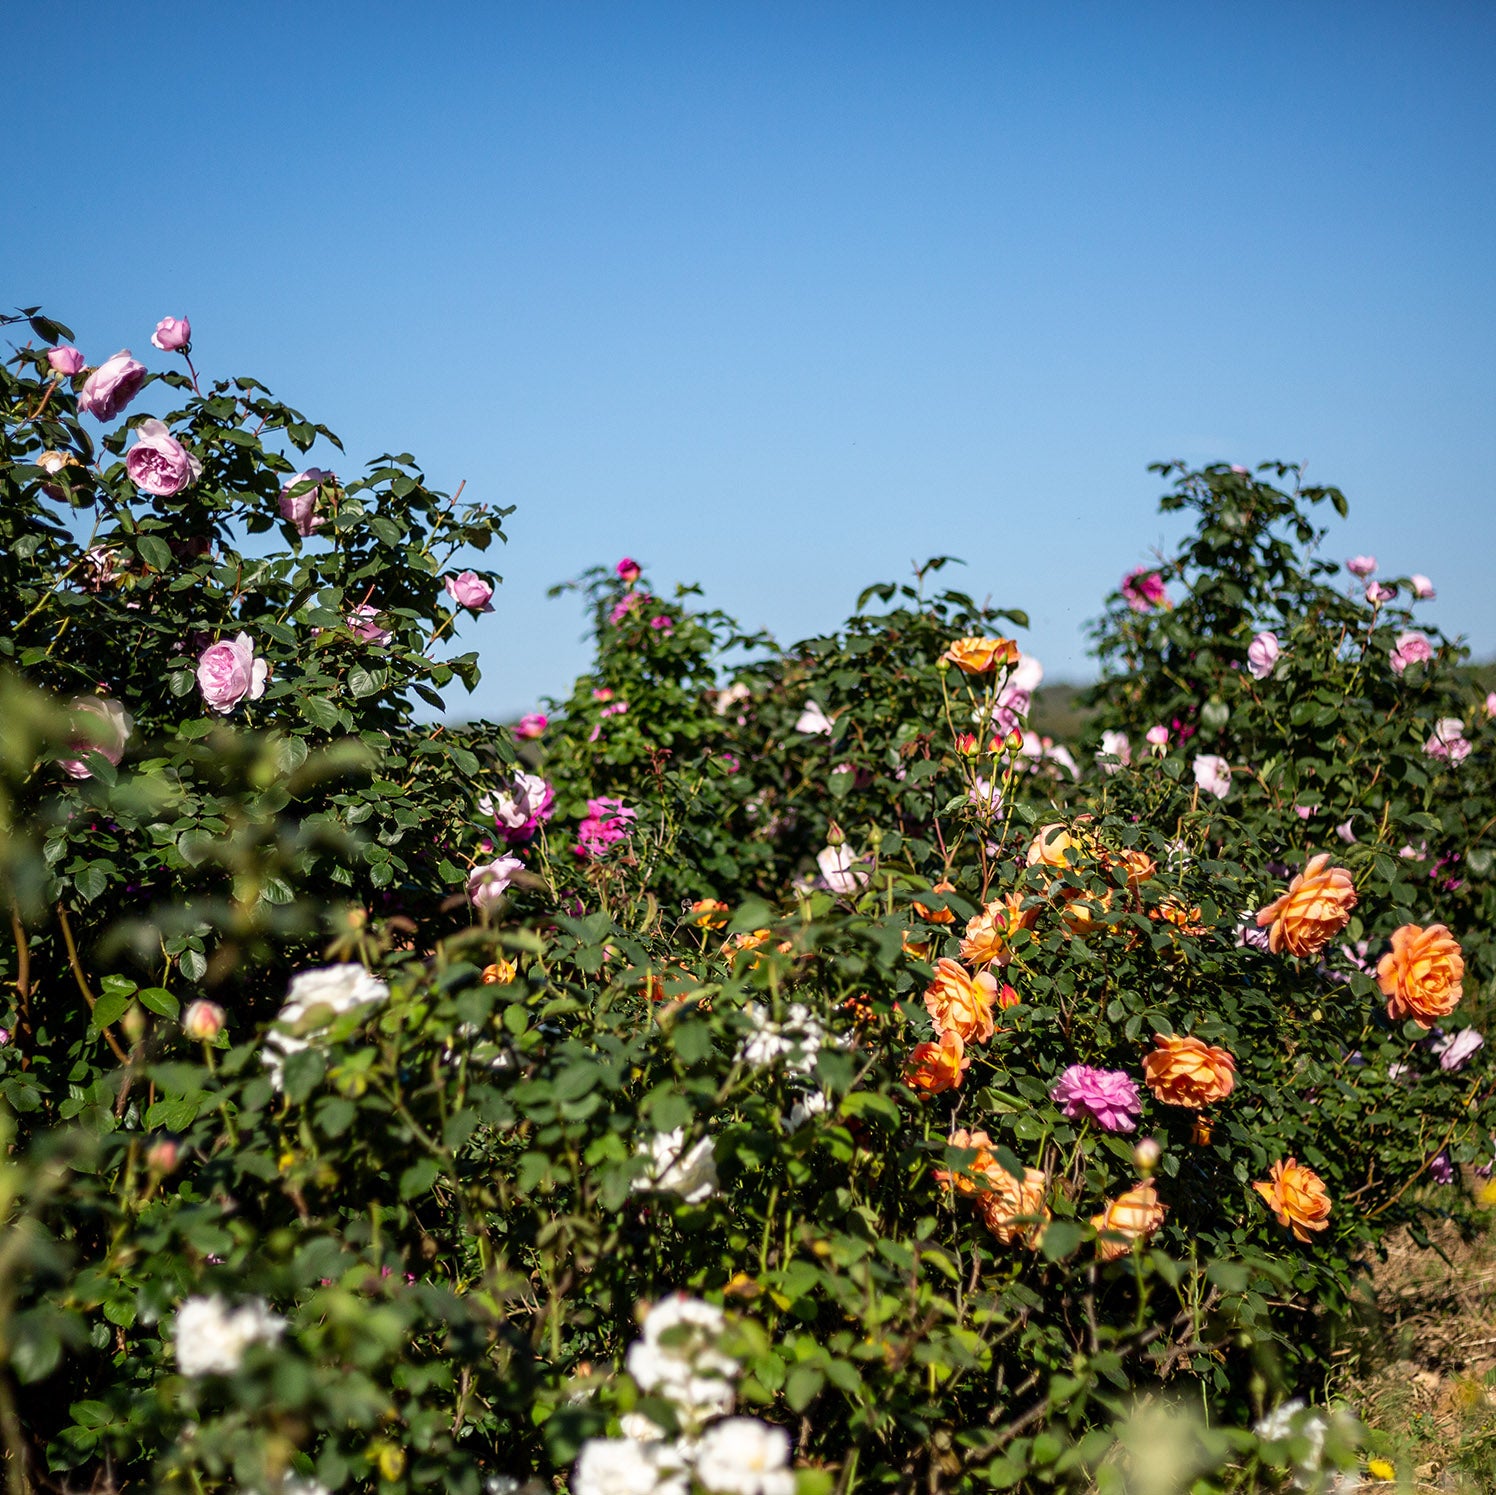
[(231, 672), (298, 499), (936, 1067), (959, 1002), (1422, 975), (1134, 1216), (981, 656), (1187, 1072), (158, 463), (111, 386), (99, 726), (1297, 1197), (1316, 907)]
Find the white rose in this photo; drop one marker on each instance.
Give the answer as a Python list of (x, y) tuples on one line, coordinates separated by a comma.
[(743, 1456), (797, 1040), (623, 1466), (313, 1000), (211, 1337), (692, 1175)]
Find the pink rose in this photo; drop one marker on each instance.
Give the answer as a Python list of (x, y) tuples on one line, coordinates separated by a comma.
[(1377, 594), (1347, 832), (1410, 648), (1109, 1097), (608, 822), (65, 361), (98, 726), (1361, 565), (488, 883), (662, 623), (518, 811), (1158, 740), (298, 499), (1213, 774), (363, 623), (622, 608), (1491, 703), (470, 590), (203, 1021), (840, 869), (1455, 1050), (111, 386), (1448, 742), (1143, 590), (158, 463), (532, 725), (172, 334), (1262, 655), (628, 569), (1423, 588), (230, 672)]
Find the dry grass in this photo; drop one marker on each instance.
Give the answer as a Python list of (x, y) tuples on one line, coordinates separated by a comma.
[(1420, 1368)]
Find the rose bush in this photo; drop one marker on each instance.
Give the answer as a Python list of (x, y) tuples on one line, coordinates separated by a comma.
[(795, 1073)]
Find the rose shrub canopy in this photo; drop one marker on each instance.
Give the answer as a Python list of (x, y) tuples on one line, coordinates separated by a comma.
[(765, 1069)]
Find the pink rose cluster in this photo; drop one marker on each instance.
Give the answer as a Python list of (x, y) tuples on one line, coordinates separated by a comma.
[(518, 811), (1109, 1097), (230, 672), (1143, 590), (625, 605), (608, 822), (158, 463), (1410, 648)]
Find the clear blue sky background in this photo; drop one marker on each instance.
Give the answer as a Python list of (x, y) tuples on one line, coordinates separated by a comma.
[(780, 297)]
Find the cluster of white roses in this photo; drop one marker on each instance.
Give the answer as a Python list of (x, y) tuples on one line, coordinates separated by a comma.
[(679, 1359)]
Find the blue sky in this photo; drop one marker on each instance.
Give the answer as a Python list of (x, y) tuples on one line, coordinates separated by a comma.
[(779, 298)]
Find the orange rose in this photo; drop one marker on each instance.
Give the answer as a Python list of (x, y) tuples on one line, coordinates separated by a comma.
[(975, 1174), (1421, 975), (988, 933), (1316, 907), (1084, 914), (1297, 1196), (1014, 1210), (959, 1001), (1135, 1214), (981, 656), (1140, 868), (935, 1067), (937, 915), (1054, 846), (1185, 920), (916, 949), (500, 973), (1186, 1072), (709, 913)]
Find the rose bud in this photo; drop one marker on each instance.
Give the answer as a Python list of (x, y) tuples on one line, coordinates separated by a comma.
[(203, 1021), (172, 334), (1146, 1154), (163, 1155)]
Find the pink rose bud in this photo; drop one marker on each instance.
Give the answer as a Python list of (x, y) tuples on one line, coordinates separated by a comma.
[(230, 672), (1423, 588), (172, 334), (1262, 655), (1377, 594), (1158, 739), (203, 1021), (162, 1156), (65, 361), (4, 1037), (1145, 1155), (298, 499), (111, 386), (98, 726), (158, 463), (531, 725), (470, 590), (629, 570), (1361, 565)]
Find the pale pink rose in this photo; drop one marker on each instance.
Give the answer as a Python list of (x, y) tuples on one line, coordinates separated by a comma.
[(1491, 703), (1377, 594), (1115, 745), (203, 1021), (1306, 812), (1410, 648), (488, 883), (1213, 774), (98, 726), (628, 569), (172, 334), (532, 725), (1423, 588), (813, 721), (65, 361), (839, 868), (468, 589), (158, 463), (518, 811), (230, 672), (1455, 1050), (1448, 741), (1262, 655), (111, 386), (1158, 740), (364, 625), (1361, 565), (1026, 676), (298, 499), (1346, 831)]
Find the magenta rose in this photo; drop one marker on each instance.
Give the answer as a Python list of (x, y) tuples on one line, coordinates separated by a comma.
[(298, 499), (470, 590), (1143, 590), (111, 386), (230, 672), (158, 463), (1109, 1097), (628, 569), (532, 725), (65, 361), (98, 726), (172, 334)]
